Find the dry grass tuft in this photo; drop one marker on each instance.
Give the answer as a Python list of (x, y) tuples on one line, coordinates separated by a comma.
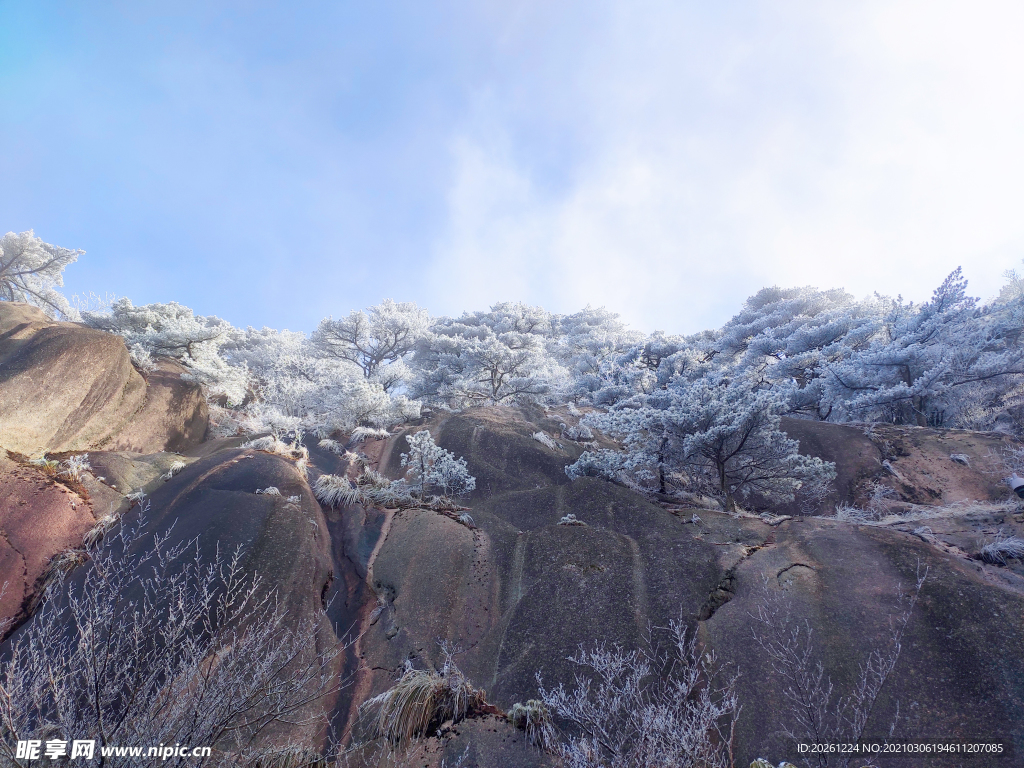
[(294, 450), (544, 439), (1003, 547), (95, 534), (61, 565), (534, 718), (422, 700), (175, 469), (336, 491), (914, 512), (570, 519), (332, 445), (73, 467), (359, 434), (135, 497), (49, 466)]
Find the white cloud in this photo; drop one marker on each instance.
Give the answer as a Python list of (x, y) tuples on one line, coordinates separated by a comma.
[(873, 146)]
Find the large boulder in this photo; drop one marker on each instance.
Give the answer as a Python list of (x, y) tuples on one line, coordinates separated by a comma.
[(174, 416), (67, 387)]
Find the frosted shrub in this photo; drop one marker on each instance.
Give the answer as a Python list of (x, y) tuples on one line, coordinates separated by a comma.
[(570, 519), (719, 432), (430, 466), (818, 709), (332, 445), (633, 709), (269, 491), (154, 645), (141, 358), (175, 331), (577, 433)]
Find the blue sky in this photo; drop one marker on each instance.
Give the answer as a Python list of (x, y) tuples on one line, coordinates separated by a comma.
[(275, 163)]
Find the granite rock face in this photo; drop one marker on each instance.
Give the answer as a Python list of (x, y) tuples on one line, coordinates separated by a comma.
[(67, 387), (518, 593)]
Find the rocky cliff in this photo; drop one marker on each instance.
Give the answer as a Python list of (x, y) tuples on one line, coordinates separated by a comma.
[(515, 593)]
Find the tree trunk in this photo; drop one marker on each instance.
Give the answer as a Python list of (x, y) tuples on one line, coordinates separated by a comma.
[(919, 413), (730, 502)]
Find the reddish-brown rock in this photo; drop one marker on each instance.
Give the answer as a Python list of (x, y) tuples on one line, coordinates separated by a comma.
[(38, 519)]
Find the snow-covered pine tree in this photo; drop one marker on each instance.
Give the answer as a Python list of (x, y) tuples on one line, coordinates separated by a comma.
[(721, 434), (430, 467)]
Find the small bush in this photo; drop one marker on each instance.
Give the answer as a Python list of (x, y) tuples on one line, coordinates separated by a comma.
[(636, 709), (467, 520), (141, 358), (570, 519), (269, 491), (577, 433)]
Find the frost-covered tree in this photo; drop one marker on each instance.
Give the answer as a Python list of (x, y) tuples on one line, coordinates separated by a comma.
[(585, 343), (173, 330), (499, 356), (295, 387), (429, 467), (722, 434), (375, 340), (784, 336), (925, 356), (31, 271)]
